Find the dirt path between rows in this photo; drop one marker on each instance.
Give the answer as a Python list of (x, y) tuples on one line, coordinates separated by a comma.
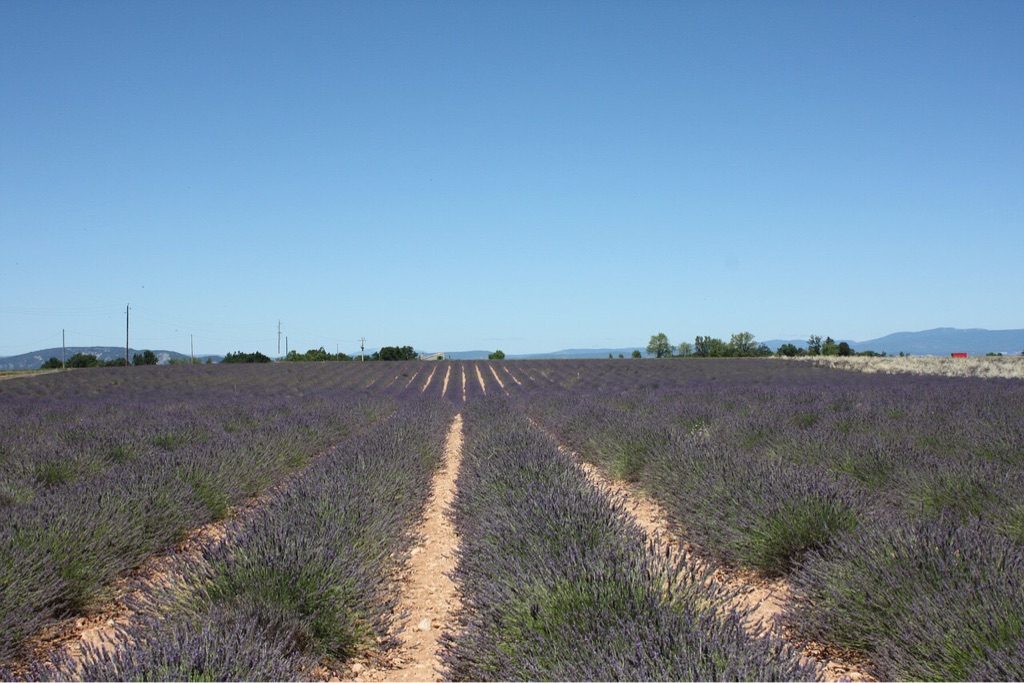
[(463, 369), (427, 593), (480, 378), (429, 380), (444, 387), (509, 373), (764, 599), (497, 379)]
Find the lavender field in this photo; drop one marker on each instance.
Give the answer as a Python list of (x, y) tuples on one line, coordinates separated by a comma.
[(258, 522)]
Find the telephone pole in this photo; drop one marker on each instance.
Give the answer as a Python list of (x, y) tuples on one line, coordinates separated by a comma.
[(63, 352), (279, 338), (286, 345), (126, 309), (362, 347), (192, 348)]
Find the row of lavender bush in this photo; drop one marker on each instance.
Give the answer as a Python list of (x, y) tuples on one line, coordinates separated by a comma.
[(306, 581), (144, 466), (893, 504), (556, 582)]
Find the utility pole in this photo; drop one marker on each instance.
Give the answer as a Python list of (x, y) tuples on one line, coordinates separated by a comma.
[(286, 346), (192, 348), (279, 338), (63, 352), (126, 309), (362, 347)]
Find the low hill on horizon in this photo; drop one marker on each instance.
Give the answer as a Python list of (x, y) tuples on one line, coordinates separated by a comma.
[(33, 359), (940, 341)]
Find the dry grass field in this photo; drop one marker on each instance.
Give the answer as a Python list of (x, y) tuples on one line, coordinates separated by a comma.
[(981, 366)]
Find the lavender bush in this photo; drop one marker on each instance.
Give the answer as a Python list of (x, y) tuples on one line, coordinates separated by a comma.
[(226, 645), (903, 492), (310, 576), (892, 504), (557, 583), (62, 542), (934, 600)]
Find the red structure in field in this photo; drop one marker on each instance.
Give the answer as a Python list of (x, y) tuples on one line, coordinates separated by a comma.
[(959, 354)]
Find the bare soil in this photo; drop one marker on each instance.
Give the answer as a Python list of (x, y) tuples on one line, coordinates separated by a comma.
[(427, 593), (480, 378), (514, 378), (444, 387), (429, 380)]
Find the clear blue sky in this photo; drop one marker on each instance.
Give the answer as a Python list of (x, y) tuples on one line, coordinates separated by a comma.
[(519, 175)]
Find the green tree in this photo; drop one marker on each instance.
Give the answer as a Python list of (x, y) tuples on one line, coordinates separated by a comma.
[(395, 353), (710, 347), (497, 355), (241, 357), (742, 344), (659, 346), (829, 347), (147, 357), (315, 355), (684, 349), (51, 364), (844, 349), (83, 360), (790, 350), (637, 354), (814, 345)]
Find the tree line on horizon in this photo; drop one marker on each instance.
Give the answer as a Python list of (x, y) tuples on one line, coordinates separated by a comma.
[(743, 345), (89, 360), (147, 357), (319, 355), (740, 345)]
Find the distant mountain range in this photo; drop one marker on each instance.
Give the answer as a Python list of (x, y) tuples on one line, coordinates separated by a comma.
[(938, 342), (33, 359)]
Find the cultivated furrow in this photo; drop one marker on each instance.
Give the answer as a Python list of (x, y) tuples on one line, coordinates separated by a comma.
[(427, 593)]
